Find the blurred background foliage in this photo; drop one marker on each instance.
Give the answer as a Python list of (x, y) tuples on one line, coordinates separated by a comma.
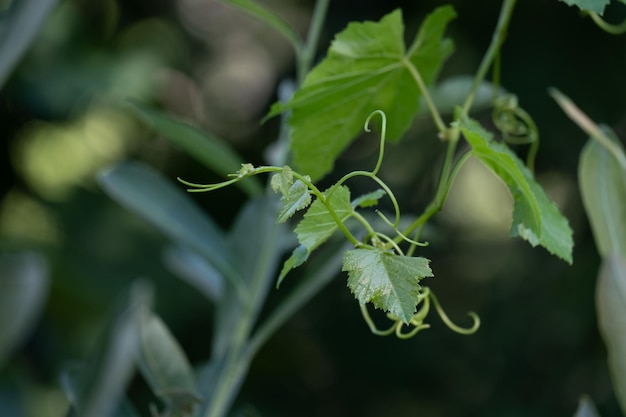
[(64, 115)]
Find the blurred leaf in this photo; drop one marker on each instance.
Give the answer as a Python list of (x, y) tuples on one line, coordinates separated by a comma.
[(195, 270), (258, 243), (144, 191), (257, 10), (449, 93), (367, 68), (603, 188), (535, 217), (98, 390), (165, 366), (18, 28), (611, 308), (369, 199), (596, 6), (389, 281), (23, 290), (586, 408), (206, 148), (296, 198)]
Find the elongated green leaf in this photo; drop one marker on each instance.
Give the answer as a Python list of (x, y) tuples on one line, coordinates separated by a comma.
[(101, 385), (535, 217), (18, 28), (596, 6), (144, 191), (23, 289), (611, 309), (389, 281), (257, 10), (367, 68), (603, 187), (165, 366), (206, 148)]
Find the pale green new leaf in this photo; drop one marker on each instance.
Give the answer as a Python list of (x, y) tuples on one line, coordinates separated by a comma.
[(367, 68), (596, 6), (369, 199), (318, 224), (297, 198), (535, 217), (282, 181), (603, 188), (387, 280)]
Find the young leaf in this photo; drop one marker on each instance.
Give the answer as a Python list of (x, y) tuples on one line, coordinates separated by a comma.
[(281, 181), (535, 217), (389, 281), (603, 188), (596, 6), (318, 224), (297, 198), (367, 68), (369, 199)]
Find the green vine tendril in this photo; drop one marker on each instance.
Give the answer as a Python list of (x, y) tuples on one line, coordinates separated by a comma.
[(417, 321), (516, 125)]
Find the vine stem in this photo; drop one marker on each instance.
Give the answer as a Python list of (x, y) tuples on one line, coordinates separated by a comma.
[(441, 126), (448, 169), (305, 59), (613, 29), (497, 40)]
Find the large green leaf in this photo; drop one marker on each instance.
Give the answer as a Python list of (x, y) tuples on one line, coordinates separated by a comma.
[(535, 217), (389, 281), (603, 187), (596, 6), (367, 68), (611, 308), (23, 289), (206, 148)]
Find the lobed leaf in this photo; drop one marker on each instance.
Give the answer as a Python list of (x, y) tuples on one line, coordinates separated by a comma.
[(603, 188), (297, 198), (535, 217), (367, 68), (389, 281), (318, 225)]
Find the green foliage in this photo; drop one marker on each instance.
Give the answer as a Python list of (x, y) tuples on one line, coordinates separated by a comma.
[(387, 280), (596, 6), (603, 188), (535, 217), (367, 68)]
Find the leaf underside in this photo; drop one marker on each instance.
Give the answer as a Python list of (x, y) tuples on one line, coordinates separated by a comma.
[(535, 217), (596, 6), (389, 281), (366, 69)]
